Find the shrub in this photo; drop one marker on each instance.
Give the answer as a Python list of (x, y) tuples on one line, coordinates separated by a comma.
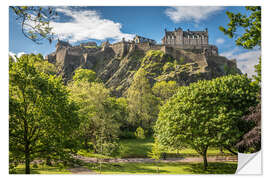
[(139, 133), (168, 67)]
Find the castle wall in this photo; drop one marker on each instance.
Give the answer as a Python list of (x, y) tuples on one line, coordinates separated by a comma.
[(120, 48)]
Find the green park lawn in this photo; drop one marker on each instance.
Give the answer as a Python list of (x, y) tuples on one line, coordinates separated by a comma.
[(164, 168), (139, 148), (42, 169), (142, 168)]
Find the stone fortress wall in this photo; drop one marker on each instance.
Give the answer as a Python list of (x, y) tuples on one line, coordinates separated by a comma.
[(173, 43)]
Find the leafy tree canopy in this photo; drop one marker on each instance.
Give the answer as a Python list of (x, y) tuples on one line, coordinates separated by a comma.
[(206, 113), (35, 22), (99, 114), (164, 90), (87, 75), (250, 24), (142, 104), (41, 116)]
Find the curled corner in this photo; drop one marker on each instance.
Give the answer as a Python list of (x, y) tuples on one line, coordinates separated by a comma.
[(249, 163)]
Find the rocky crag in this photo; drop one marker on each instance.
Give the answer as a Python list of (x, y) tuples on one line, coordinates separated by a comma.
[(116, 64)]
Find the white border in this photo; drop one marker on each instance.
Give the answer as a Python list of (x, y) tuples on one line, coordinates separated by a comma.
[(4, 78)]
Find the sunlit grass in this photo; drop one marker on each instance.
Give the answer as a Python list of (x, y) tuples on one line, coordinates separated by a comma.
[(139, 148), (164, 168), (42, 169)]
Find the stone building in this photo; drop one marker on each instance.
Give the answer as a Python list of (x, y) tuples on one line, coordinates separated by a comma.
[(180, 37), (91, 43), (139, 39)]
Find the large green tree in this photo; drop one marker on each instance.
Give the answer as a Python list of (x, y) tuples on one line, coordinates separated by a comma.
[(41, 116), (99, 115), (142, 104), (206, 113), (247, 29)]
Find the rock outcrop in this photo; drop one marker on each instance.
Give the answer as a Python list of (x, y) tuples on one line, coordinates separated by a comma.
[(115, 64)]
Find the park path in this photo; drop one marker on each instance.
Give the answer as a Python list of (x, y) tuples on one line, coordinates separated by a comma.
[(81, 170), (148, 160), (84, 170)]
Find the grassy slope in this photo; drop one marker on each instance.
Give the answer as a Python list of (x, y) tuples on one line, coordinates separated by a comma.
[(165, 168)]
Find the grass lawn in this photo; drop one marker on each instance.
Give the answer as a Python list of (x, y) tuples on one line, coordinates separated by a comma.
[(164, 168), (139, 148), (136, 147), (42, 169)]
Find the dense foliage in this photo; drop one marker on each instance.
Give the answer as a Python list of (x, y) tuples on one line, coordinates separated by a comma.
[(164, 90), (250, 39), (84, 75), (142, 104), (251, 141), (100, 114), (206, 113), (42, 119)]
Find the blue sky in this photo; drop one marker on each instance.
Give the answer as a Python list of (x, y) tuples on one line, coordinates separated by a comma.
[(80, 24)]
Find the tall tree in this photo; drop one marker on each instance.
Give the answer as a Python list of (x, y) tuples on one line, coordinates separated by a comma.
[(35, 22), (205, 114), (41, 116), (142, 104), (99, 118), (251, 38)]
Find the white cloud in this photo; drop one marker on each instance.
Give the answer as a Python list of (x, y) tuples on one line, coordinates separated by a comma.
[(20, 54), (15, 56), (188, 13), (245, 61), (87, 24), (220, 40)]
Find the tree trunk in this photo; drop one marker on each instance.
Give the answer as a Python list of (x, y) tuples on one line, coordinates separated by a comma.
[(27, 160), (205, 163), (85, 144)]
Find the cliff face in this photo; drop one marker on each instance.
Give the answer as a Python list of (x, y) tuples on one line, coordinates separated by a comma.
[(116, 64)]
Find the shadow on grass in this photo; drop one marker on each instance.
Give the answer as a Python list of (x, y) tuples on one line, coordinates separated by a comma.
[(41, 170), (213, 168)]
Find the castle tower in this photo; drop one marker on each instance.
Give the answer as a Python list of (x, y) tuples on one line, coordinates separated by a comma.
[(180, 37)]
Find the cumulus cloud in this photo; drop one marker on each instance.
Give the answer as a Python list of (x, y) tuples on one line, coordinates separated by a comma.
[(20, 54), (191, 13), (220, 40), (245, 60), (87, 24), (14, 55)]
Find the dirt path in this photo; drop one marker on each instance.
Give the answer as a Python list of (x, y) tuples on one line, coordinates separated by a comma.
[(148, 160), (84, 170), (81, 170)]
